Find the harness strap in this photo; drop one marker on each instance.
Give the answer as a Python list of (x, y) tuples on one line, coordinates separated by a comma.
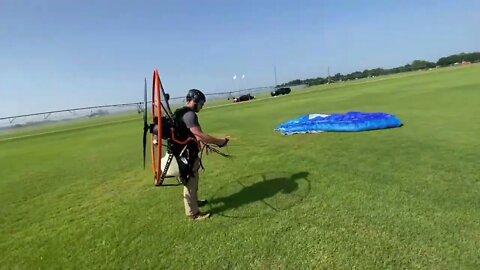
[(208, 148)]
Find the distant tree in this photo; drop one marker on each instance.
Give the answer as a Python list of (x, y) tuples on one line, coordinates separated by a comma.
[(449, 60), (421, 64), (472, 57), (459, 58), (415, 65)]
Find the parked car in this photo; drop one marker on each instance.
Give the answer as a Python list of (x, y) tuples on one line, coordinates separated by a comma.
[(281, 91), (243, 98)]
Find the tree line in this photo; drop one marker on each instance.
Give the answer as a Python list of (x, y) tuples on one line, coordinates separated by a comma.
[(451, 60)]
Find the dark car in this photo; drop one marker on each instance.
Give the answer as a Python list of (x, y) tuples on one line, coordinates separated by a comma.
[(243, 98), (281, 91)]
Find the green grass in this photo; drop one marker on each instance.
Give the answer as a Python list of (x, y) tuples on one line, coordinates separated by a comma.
[(392, 199)]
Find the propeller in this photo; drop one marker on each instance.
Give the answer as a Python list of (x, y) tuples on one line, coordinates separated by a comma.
[(145, 124)]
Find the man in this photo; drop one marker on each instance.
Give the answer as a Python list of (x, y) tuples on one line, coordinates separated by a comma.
[(188, 121)]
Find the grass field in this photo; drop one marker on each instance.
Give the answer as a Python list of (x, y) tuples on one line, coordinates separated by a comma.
[(404, 198)]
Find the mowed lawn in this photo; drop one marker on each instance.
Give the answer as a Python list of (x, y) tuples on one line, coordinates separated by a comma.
[(403, 198)]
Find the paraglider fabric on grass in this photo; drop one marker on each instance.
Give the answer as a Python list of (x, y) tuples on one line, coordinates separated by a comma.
[(349, 122)]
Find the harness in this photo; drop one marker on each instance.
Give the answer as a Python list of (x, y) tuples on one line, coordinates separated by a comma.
[(183, 145)]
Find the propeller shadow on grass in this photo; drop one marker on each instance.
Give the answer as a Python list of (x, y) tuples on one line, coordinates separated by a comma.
[(257, 192)]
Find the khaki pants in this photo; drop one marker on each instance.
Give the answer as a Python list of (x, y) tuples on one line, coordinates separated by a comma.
[(190, 191)]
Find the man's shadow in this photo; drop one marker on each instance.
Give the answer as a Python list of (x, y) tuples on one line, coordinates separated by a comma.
[(257, 192)]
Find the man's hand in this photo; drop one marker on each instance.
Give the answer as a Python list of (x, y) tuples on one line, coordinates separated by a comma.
[(224, 144)]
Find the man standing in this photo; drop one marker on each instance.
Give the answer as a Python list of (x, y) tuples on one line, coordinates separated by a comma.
[(188, 121)]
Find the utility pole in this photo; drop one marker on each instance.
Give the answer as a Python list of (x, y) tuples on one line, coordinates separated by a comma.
[(275, 71), (236, 82), (328, 72)]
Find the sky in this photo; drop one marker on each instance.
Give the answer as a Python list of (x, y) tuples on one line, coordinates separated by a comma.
[(62, 54)]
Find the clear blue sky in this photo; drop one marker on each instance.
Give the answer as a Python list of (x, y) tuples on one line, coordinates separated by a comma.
[(58, 54)]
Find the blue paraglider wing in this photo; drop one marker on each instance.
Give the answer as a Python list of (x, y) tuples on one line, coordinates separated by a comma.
[(349, 122)]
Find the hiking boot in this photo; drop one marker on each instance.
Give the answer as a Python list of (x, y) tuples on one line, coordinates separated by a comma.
[(199, 216), (202, 203)]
